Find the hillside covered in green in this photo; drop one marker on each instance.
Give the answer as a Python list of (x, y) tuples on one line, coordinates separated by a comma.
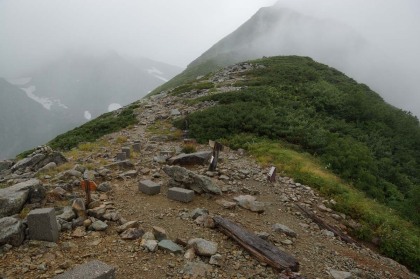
[(316, 109)]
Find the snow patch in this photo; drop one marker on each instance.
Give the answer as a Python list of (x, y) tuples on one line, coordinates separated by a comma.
[(114, 106), (153, 70), (161, 78), (87, 115), (45, 102)]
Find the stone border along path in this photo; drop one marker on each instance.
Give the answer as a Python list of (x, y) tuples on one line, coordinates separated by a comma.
[(320, 254)]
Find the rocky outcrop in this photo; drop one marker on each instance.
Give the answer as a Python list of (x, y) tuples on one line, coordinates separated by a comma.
[(187, 179), (11, 231), (197, 158), (38, 159), (13, 198)]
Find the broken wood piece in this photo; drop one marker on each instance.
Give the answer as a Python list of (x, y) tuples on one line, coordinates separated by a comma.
[(324, 225), (256, 246)]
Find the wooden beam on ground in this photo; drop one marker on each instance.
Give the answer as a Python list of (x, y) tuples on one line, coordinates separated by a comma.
[(256, 246), (324, 225)]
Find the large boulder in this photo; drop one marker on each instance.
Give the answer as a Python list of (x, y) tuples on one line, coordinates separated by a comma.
[(197, 158), (5, 165), (190, 180), (13, 198), (39, 158), (12, 231)]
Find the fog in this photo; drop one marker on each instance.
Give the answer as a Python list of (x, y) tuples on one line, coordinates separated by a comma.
[(33, 32)]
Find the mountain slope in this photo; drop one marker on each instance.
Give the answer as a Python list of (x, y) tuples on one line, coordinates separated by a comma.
[(23, 122), (309, 120), (278, 31), (70, 91)]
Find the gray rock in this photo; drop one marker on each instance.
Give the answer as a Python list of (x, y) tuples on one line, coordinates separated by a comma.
[(197, 158), (197, 269), (190, 180), (284, 229), (175, 112), (250, 203), (198, 212), (48, 166), (203, 247), (215, 259), (132, 233), (170, 246), (98, 225), (91, 270), (68, 214), (226, 204), (97, 212), (328, 233), (130, 224), (130, 173), (13, 198), (5, 165), (39, 160), (337, 274), (159, 233), (151, 245), (11, 231), (104, 187), (42, 224), (125, 164)]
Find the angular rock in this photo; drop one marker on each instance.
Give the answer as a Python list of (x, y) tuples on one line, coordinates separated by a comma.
[(104, 187), (226, 204), (190, 180), (39, 160), (13, 198), (130, 224), (180, 194), (79, 207), (250, 203), (79, 232), (132, 233), (11, 231), (190, 254), (151, 245), (284, 229), (197, 158), (205, 221), (68, 214), (170, 246), (203, 247), (159, 233), (91, 270), (198, 212), (216, 259), (5, 165), (97, 212), (42, 224), (98, 225), (149, 187)]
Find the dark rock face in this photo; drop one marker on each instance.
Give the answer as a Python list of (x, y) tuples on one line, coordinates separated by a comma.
[(40, 158), (13, 198), (191, 180), (11, 231)]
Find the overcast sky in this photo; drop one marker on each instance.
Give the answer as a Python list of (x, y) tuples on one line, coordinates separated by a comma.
[(177, 32)]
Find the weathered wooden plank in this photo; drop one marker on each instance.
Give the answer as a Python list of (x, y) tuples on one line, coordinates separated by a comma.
[(259, 248), (324, 225)]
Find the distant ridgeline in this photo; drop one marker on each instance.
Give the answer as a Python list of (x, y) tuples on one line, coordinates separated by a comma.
[(367, 142)]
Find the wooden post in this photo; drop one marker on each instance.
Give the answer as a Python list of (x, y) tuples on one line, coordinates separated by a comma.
[(217, 147), (87, 191), (271, 177)]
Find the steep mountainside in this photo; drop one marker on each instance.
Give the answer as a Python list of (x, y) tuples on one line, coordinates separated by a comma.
[(72, 90), (278, 31), (23, 122)]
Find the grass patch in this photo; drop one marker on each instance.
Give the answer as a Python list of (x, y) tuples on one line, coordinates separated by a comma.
[(92, 130), (164, 128)]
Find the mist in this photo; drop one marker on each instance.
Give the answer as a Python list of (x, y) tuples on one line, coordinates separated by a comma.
[(34, 32)]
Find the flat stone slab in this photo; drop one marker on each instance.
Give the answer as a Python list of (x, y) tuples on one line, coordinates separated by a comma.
[(170, 246), (42, 224), (180, 194), (149, 187), (197, 158), (11, 231), (91, 270)]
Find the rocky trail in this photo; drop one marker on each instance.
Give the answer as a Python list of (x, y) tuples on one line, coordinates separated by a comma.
[(151, 236)]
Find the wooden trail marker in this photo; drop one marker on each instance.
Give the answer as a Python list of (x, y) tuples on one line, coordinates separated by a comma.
[(88, 186), (217, 147), (271, 176)]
